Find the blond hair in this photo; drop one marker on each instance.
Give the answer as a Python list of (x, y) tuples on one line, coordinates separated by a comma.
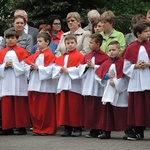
[(75, 15)]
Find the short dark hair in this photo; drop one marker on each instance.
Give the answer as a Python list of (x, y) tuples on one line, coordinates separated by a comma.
[(45, 36), (97, 37), (70, 37), (140, 27), (115, 43), (11, 33)]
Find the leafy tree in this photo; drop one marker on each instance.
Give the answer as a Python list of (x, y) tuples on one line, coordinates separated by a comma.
[(39, 10)]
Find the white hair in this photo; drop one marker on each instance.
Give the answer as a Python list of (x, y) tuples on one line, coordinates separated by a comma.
[(21, 10), (93, 11)]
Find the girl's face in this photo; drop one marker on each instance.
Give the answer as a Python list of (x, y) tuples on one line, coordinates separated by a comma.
[(70, 44), (19, 24), (98, 28), (41, 43)]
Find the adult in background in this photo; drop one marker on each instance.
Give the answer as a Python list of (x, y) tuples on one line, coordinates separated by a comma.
[(92, 16), (74, 24), (109, 33), (27, 29), (25, 40), (130, 37), (55, 22), (148, 16)]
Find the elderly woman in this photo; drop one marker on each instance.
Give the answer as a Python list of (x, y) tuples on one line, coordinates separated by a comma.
[(25, 40), (74, 24)]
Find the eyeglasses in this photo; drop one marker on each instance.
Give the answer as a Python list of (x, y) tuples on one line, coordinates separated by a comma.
[(57, 24), (72, 20)]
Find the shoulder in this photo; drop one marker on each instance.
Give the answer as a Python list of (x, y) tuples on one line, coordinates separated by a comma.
[(33, 29)]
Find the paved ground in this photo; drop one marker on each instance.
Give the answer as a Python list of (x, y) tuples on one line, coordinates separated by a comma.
[(56, 142)]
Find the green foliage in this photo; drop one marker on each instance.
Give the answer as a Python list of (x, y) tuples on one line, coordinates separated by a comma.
[(40, 10)]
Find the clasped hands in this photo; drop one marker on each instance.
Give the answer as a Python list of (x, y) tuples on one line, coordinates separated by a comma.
[(34, 67), (111, 76), (8, 64), (142, 65), (63, 69)]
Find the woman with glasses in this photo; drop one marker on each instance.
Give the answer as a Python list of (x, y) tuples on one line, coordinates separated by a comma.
[(55, 22), (74, 24)]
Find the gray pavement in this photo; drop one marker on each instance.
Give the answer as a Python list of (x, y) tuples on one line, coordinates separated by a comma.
[(56, 142)]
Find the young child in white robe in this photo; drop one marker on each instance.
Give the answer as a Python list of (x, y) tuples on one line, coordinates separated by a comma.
[(115, 96), (13, 86), (42, 88)]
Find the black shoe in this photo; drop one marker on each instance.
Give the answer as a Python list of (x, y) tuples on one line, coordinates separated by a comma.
[(127, 134), (7, 132), (134, 137), (105, 135), (66, 133), (22, 131), (93, 133), (77, 132)]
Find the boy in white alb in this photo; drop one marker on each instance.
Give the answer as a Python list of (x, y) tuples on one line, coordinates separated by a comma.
[(137, 68), (110, 75), (13, 86), (42, 88)]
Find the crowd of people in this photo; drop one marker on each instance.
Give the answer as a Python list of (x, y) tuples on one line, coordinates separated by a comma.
[(93, 78)]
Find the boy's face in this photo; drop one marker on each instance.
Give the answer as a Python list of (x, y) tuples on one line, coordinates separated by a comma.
[(93, 45), (143, 36), (70, 44), (11, 41), (41, 43), (113, 51)]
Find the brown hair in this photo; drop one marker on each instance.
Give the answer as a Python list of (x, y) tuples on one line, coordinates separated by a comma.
[(109, 17), (97, 37), (45, 36), (70, 37), (19, 16), (11, 33)]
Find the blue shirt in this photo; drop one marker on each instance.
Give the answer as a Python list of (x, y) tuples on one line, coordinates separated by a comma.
[(52, 46)]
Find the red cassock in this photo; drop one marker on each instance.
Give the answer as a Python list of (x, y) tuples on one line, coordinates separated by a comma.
[(69, 104), (15, 112), (42, 105), (92, 104), (138, 102), (113, 118)]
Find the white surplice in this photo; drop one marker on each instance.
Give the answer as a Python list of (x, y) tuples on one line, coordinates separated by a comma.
[(116, 95), (41, 80), (13, 80), (67, 81), (139, 78), (90, 86)]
